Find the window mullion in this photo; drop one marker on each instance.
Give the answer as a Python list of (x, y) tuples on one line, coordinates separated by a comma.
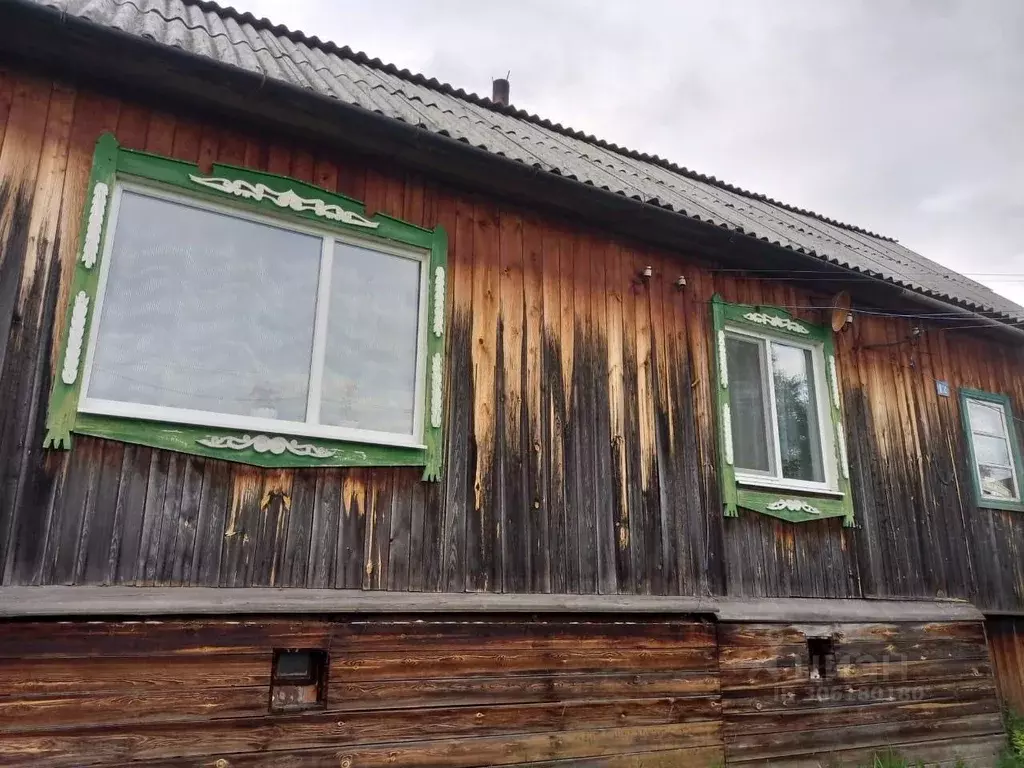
[(323, 300), (773, 409)]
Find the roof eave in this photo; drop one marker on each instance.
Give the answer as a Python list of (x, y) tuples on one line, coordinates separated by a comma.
[(74, 48)]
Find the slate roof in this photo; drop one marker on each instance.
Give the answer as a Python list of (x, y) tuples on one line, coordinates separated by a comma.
[(239, 39)]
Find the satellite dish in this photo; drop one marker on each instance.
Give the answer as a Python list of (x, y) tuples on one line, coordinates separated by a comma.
[(840, 310)]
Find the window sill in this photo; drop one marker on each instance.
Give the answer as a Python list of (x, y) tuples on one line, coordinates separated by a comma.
[(759, 483), (1006, 506)]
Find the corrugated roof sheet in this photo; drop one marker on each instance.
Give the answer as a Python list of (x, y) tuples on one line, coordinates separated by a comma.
[(241, 40)]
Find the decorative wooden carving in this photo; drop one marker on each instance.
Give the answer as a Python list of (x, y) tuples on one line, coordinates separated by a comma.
[(775, 321), (76, 336), (94, 230), (266, 444)]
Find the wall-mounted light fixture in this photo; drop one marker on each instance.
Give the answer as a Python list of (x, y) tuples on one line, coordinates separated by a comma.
[(681, 282)]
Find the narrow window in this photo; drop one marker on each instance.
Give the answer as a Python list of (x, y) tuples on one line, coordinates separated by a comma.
[(775, 396), (995, 458), (297, 680), (821, 658)]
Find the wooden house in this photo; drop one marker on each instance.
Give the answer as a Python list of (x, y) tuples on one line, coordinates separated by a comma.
[(350, 419)]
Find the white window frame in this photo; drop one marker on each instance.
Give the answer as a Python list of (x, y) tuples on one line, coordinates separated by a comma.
[(1005, 437), (826, 428), (306, 428)]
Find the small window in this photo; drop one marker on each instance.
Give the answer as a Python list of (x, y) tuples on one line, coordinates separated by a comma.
[(821, 658), (211, 316), (298, 679), (994, 454), (776, 391)]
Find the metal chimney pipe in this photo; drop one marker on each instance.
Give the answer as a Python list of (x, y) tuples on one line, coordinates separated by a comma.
[(499, 91)]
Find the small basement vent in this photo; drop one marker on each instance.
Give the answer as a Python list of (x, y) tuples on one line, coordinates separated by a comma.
[(821, 658), (297, 680)]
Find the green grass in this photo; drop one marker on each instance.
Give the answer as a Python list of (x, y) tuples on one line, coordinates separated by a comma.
[(1013, 755)]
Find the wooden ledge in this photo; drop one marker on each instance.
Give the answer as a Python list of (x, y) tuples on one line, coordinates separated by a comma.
[(99, 602)]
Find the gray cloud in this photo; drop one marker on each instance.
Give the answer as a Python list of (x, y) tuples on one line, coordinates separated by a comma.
[(904, 117)]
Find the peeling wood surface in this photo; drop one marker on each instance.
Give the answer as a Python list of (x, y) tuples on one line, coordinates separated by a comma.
[(580, 442), (1006, 644), (409, 693)]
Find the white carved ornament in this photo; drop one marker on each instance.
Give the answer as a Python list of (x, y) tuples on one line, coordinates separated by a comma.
[(265, 444), (775, 321), (286, 199), (94, 229), (436, 391), (439, 301), (844, 463), (794, 505), (834, 380), (723, 364), (76, 335), (727, 432)]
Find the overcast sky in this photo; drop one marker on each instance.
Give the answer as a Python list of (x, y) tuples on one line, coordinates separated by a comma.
[(905, 117)]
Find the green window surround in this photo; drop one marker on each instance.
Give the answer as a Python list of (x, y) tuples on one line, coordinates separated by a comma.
[(782, 445), (993, 449), (250, 317)]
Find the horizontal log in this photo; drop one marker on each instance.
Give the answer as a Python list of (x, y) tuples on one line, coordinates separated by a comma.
[(814, 696), (887, 713), (739, 679), (761, 635), (171, 637), (433, 664), (975, 752), (125, 709), (56, 601), (392, 694), (852, 654), (693, 745), (329, 729), (132, 674), (774, 745), (419, 634)]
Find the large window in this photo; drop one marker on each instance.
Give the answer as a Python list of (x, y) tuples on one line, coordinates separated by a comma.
[(783, 448), (995, 457), (206, 316), (250, 317)]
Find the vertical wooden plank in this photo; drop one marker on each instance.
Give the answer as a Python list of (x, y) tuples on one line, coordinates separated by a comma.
[(95, 551), (647, 535), (535, 495), (483, 532), (380, 500), (324, 536), (457, 217), (296, 548), (604, 516), (401, 528), (271, 537), (243, 524), (130, 512), (553, 411), (181, 552), (355, 531), (209, 531), (511, 475), (616, 285)]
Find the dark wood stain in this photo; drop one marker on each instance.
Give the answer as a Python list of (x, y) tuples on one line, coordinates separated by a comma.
[(580, 448)]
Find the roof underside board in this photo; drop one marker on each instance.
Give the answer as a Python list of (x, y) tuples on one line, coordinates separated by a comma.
[(239, 40)]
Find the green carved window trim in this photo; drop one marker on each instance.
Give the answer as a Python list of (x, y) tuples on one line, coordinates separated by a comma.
[(776, 500), (1003, 401), (280, 197)]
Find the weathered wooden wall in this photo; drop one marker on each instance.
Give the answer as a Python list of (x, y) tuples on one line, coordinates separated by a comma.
[(1006, 644), (580, 451), (924, 691), (399, 693)]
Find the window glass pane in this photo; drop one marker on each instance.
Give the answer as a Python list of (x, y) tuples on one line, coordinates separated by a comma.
[(797, 411), (206, 311), (372, 338), (991, 450), (985, 417), (997, 482), (747, 403)]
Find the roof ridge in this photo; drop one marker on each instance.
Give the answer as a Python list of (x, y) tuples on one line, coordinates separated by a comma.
[(297, 36)]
